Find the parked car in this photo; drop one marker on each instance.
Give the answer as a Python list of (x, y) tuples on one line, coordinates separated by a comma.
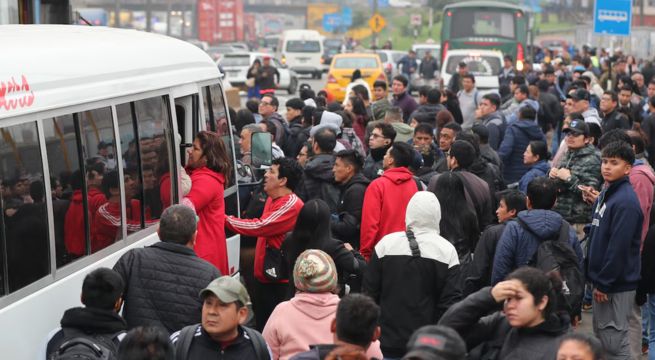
[(219, 50), (343, 66), (390, 60), (485, 65), (235, 66)]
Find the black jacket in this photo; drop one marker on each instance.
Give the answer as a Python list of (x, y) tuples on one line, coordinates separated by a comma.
[(162, 283), (204, 347), (318, 171), (483, 333), (101, 326), (297, 137), (346, 225), (615, 120), (479, 274)]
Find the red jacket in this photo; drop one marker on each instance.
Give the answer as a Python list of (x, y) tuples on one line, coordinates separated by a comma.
[(74, 221), (165, 190), (206, 195), (278, 218), (106, 225), (385, 203)]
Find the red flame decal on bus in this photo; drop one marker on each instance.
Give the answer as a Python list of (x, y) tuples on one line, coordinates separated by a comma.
[(14, 95)]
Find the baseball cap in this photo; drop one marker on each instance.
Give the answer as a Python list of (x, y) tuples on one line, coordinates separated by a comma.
[(435, 342), (578, 127), (228, 290), (580, 94)]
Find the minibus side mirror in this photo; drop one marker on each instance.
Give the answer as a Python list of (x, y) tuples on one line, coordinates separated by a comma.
[(261, 149)]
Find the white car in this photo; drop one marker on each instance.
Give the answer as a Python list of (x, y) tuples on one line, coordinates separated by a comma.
[(485, 65), (390, 60), (235, 67)]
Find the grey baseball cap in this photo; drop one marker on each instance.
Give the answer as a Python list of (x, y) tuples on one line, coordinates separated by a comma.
[(228, 290)]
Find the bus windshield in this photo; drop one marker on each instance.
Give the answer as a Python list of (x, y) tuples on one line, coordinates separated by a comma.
[(483, 22)]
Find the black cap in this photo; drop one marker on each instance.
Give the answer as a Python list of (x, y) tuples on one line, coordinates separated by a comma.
[(295, 103), (578, 127), (435, 342), (580, 94), (462, 64)]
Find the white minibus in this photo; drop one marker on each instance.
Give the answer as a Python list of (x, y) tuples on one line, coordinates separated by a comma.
[(302, 51), (72, 97)]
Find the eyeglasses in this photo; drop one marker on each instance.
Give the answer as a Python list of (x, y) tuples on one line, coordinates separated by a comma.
[(302, 154), (376, 136), (264, 103)]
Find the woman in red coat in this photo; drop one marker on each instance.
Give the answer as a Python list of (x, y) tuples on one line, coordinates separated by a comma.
[(209, 167)]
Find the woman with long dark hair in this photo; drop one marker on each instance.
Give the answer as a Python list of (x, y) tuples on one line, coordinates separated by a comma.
[(459, 223), (357, 107), (536, 156), (251, 79), (210, 170), (450, 101), (528, 327), (312, 231)]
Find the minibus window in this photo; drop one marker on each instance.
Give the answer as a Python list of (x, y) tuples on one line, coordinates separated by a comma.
[(69, 188), (130, 146), (100, 164), (155, 145), (25, 248)]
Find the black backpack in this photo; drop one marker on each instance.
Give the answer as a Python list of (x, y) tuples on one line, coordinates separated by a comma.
[(188, 332), (86, 347), (556, 254)]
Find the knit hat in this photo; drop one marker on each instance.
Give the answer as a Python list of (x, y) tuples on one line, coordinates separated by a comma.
[(315, 272)]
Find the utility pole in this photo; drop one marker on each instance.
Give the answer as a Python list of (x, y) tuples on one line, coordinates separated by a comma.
[(117, 14), (374, 42), (641, 13), (148, 15)]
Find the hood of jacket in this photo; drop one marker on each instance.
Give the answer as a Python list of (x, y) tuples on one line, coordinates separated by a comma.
[(544, 223), (640, 168), (531, 103), (423, 213), (93, 321), (320, 167), (398, 175), (358, 178), (205, 172), (591, 116), (315, 306), (541, 166), (555, 325), (492, 116), (530, 128), (403, 129)]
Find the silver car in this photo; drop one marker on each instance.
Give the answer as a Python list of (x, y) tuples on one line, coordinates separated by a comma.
[(236, 65), (390, 60)]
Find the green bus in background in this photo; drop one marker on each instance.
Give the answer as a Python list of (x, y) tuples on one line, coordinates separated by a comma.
[(488, 25)]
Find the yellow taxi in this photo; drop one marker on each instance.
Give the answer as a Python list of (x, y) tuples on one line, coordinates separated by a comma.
[(342, 68)]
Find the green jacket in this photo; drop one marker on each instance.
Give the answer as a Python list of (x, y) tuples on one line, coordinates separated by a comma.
[(379, 109), (584, 165)]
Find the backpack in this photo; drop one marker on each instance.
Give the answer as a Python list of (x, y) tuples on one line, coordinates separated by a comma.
[(188, 332), (80, 346), (556, 254)]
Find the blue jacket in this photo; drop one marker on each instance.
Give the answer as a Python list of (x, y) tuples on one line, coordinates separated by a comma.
[(517, 246), (539, 169), (517, 137), (613, 261)]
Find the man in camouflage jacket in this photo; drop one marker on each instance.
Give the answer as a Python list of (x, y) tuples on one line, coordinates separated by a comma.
[(580, 166)]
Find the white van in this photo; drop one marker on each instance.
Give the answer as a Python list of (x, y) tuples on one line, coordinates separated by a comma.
[(71, 96), (485, 65), (301, 51)]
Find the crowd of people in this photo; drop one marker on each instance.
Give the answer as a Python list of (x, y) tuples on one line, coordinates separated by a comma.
[(461, 225)]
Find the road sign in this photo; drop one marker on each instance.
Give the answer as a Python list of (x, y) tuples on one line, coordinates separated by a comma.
[(415, 19), (331, 22), (377, 23), (613, 17), (346, 16)]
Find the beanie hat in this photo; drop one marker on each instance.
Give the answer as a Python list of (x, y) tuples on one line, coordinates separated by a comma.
[(315, 272)]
